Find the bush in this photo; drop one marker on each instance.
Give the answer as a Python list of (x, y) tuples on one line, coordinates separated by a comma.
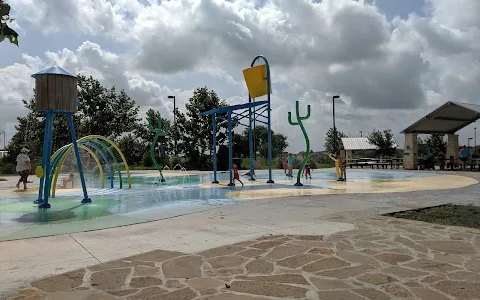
[(8, 168), (147, 160), (35, 163), (277, 163)]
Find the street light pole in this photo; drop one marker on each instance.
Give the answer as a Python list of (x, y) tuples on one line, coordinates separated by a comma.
[(334, 128), (475, 140), (4, 140), (174, 123), (468, 142)]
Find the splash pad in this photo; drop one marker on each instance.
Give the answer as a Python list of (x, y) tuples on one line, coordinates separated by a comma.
[(185, 192)]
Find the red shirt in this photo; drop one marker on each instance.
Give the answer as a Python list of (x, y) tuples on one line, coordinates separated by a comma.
[(235, 173)]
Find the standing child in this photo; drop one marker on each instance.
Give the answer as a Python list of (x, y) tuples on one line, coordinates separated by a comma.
[(236, 176), (441, 160), (307, 170), (284, 164), (451, 163), (290, 164), (343, 167)]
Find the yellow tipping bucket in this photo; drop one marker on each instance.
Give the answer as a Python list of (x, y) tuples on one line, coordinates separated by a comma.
[(256, 80)]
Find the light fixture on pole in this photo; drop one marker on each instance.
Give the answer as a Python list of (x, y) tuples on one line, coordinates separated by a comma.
[(334, 128), (468, 142), (174, 123)]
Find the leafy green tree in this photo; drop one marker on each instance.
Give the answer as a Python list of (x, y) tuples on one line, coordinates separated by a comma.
[(104, 111), (329, 144), (431, 145), (422, 147), (241, 145), (279, 142), (132, 147), (5, 30), (436, 143), (196, 129), (101, 112), (29, 133), (384, 140), (147, 137)]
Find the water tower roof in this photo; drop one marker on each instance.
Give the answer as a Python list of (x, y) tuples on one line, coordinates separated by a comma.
[(54, 70)]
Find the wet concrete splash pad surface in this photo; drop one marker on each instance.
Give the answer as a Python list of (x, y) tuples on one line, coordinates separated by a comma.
[(149, 200)]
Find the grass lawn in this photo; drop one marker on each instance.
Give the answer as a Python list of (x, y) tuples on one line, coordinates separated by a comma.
[(2, 179), (448, 214)]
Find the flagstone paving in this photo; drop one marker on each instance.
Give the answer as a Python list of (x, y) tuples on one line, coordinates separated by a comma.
[(383, 258)]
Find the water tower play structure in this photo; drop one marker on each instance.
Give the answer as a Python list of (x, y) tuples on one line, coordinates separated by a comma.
[(55, 94)]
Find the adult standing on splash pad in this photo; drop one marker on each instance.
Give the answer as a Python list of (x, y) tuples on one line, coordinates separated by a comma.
[(23, 167), (161, 151)]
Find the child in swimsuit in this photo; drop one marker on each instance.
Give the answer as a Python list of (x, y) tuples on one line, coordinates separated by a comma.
[(307, 170), (343, 167), (67, 180), (236, 176)]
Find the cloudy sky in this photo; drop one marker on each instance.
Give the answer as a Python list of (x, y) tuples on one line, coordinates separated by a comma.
[(392, 61)]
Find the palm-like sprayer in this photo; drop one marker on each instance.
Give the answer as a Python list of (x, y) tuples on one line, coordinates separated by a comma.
[(158, 132), (307, 141)]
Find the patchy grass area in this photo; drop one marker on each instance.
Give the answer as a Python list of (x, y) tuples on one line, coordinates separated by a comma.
[(448, 214), (2, 179)]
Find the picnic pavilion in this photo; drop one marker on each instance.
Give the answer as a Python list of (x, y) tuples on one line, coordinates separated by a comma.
[(356, 144), (447, 119)]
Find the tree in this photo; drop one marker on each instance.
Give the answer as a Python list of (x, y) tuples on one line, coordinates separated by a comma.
[(147, 137), (431, 145), (279, 142), (329, 144), (384, 141), (436, 143), (29, 133), (422, 147), (196, 129), (101, 111), (5, 30), (132, 147), (104, 112), (241, 145)]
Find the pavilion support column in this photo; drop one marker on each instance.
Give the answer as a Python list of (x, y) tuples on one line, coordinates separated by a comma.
[(452, 147), (349, 155), (410, 154)]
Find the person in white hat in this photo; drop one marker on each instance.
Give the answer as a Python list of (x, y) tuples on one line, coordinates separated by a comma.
[(23, 167)]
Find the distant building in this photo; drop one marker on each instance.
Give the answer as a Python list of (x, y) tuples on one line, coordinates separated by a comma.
[(356, 144), (3, 153)]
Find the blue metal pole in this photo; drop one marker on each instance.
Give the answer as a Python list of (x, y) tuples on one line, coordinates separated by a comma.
[(269, 125), (230, 148), (269, 134), (44, 165), (250, 139), (79, 162), (214, 148), (47, 151)]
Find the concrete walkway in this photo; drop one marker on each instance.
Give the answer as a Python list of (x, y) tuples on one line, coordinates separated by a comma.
[(365, 236), (383, 258)]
